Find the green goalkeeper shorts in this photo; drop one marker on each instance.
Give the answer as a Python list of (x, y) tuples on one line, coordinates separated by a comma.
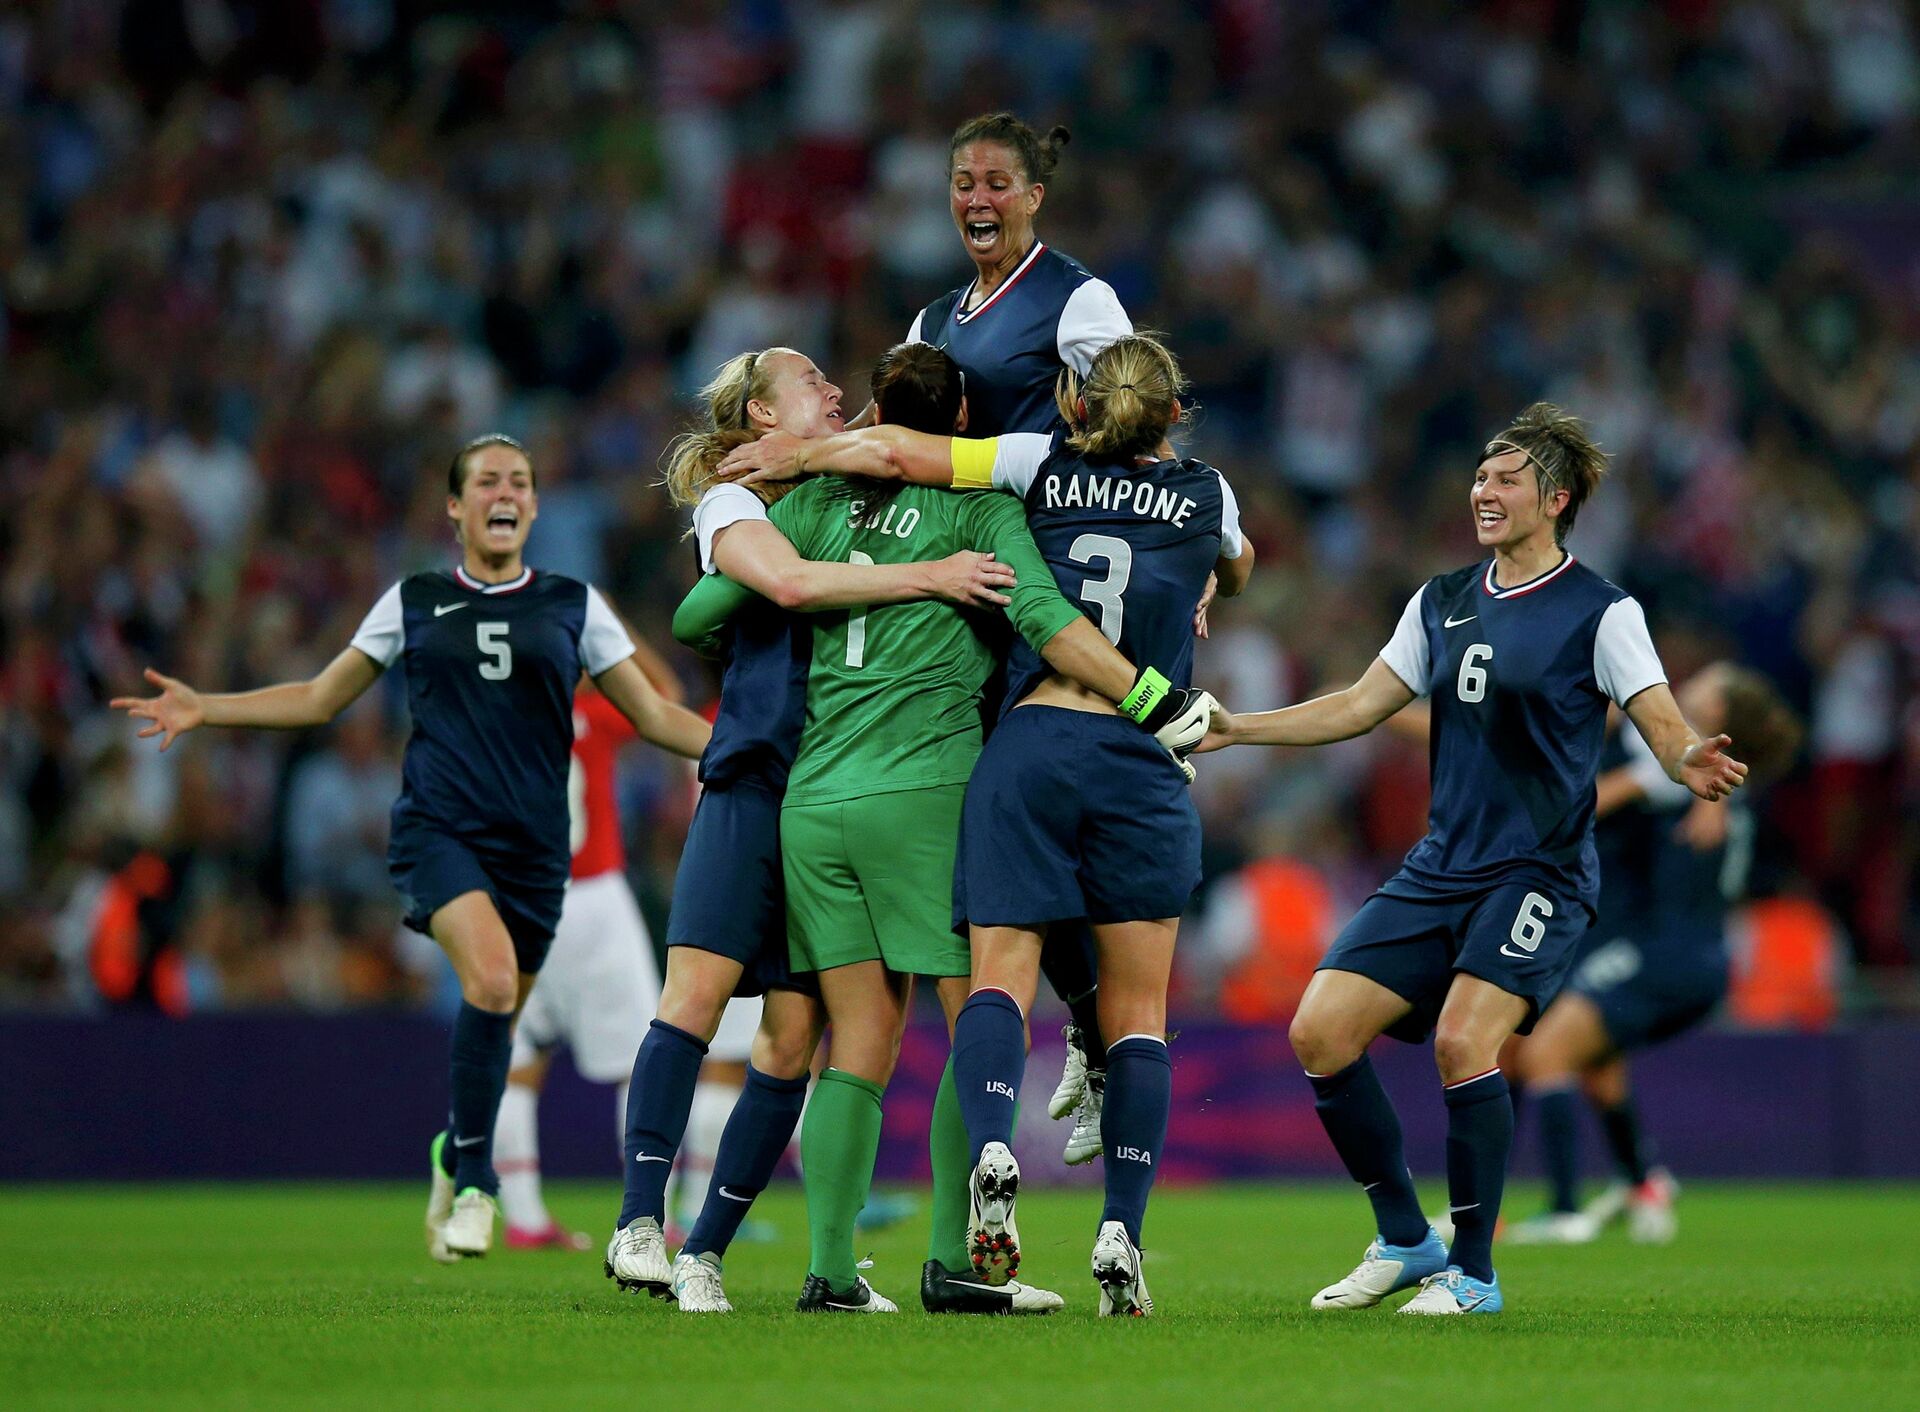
[(872, 880)]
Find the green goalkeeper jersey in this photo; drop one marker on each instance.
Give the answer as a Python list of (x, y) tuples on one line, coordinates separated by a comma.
[(894, 693)]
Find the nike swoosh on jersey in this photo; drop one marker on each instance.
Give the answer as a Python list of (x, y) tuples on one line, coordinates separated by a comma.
[(1451, 622), (442, 609)]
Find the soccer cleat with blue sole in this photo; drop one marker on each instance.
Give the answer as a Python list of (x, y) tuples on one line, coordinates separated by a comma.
[(1385, 1269), (1453, 1291)]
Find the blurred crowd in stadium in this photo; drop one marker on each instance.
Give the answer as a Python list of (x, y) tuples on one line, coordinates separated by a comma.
[(265, 263)]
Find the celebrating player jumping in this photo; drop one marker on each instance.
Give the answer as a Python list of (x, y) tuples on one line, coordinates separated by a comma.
[(1470, 940), (479, 844)]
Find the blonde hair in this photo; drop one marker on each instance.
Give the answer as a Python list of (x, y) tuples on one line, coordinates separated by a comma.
[(1132, 394), (688, 463), (1564, 457)]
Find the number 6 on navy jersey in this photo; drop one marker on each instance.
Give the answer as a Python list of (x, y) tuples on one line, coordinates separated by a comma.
[(492, 638), (1472, 682)]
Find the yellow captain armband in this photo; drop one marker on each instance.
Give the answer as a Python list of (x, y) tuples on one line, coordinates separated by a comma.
[(973, 459)]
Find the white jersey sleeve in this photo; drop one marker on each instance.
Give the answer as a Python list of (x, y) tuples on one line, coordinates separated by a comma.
[(913, 334), (603, 641), (1655, 786), (1624, 662), (1017, 458), (382, 633), (1406, 650), (1232, 543), (721, 506), (1090, 320)]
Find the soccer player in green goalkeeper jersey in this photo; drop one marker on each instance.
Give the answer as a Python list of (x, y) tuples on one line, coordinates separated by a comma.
[(871, 818)]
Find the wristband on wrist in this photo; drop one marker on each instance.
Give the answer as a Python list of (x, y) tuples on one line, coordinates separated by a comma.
[(1150, 702)]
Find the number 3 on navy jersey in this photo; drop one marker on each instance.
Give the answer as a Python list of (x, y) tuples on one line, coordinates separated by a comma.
[(1472, 682), (1107, 591), (492, 639)]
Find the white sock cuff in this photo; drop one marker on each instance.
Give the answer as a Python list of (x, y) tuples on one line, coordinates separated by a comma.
[(999, 990), (1158, 1039)]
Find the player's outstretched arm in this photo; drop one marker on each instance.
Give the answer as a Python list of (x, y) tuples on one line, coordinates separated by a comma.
[(757, 554), (290, 706), (883, 452), (1703, 766), (703, 614), (667, 724), (1340, 715)]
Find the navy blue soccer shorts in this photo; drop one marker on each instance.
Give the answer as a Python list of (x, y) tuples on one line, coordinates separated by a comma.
[(1071, 814), (730, 896), (1520, 936), (431, 866), (1646, 994)]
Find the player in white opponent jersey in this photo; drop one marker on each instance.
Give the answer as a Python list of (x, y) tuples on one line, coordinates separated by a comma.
[(1520, 655)]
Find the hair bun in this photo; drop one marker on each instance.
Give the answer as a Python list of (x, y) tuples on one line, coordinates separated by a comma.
[(1058, 136)]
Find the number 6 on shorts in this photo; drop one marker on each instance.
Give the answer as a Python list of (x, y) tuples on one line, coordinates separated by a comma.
[(1530, 924)]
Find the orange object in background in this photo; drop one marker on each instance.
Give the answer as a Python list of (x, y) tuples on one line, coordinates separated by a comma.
[(1292, 919), (1787, 956)]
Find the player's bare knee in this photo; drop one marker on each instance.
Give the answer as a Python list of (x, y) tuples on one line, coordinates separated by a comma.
[(1319, 1047), (783, 1051), (1461, 1053), (493, 986), (694, 1014)]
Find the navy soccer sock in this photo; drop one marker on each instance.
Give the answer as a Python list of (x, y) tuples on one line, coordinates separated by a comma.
[(757, 1132), (659, 1097), (1066, 960), (1630, 1148), (1560, 1145), (1365, 1131), (1133, 1126), (482, 1047), (1479, 1138), (989, 1060)]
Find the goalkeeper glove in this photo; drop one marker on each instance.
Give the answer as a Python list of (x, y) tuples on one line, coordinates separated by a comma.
[(1178, 719)]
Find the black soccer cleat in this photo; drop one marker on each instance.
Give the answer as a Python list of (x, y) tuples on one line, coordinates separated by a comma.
[(818, 1297), (944, 1291)]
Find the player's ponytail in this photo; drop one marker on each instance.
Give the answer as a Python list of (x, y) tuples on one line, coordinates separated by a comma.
[(1130, 396), (688, 463)]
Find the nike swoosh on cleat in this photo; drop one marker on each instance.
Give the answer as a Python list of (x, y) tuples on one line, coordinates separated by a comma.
[(731, 1197), (1451, 622), (642, 1157), (442, 609)]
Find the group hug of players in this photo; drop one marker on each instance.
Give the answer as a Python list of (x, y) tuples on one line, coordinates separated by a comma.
[(1009, 518)]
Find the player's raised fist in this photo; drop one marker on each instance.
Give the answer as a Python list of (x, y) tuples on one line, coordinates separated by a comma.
[(775, 456), (174, 712)]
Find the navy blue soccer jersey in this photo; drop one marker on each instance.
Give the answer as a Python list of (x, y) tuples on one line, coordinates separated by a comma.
[(1048, 313), (1131, 544), (490, 672), (763, 687), (1519, 680)]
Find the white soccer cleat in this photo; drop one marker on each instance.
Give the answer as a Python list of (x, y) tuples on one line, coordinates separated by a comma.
[(993, 1240), (468, 1232), (1650, 1218), (1073, 1078), (1084, 1142), (637, 1259), (1454, 1292), (1123, 1280), (817, 1297), (1553, 1228), (439, 1206), (697, 1288), (1608, 1205), (1383, 1270)]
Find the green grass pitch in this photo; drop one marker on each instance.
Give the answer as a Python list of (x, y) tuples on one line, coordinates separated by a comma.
[(299, 1296)]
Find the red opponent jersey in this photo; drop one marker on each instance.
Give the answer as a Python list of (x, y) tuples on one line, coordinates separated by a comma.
[(599, 730)]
